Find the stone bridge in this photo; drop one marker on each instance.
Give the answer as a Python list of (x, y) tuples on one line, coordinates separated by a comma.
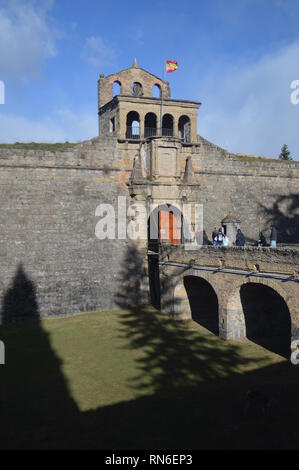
[(235, 292)]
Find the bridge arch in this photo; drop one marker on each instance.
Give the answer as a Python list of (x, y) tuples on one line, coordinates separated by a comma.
[(196, 297), (261, 310)]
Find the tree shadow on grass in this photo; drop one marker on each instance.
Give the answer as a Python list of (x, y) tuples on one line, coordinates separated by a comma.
[(198, 395), (189, 392), (174, 355)]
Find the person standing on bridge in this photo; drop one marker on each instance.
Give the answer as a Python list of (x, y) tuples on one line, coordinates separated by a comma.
[(240, 239), (262, 241), (273, 236), (219, 238)]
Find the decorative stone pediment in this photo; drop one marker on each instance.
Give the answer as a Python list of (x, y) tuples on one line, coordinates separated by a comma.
[(165, 164)]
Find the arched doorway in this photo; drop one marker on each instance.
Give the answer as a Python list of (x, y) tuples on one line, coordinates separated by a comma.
[(133, 125), (184, 128), (203, 302), (150, 125), (267, 318), (170, 225), (167, 125), (164, 223)]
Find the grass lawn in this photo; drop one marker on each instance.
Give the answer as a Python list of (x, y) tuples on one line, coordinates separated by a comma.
[(136, 379)]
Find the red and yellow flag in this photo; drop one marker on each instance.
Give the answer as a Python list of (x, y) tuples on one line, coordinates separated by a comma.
[(171, 65)]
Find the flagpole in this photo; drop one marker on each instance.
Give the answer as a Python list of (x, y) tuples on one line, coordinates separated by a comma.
[(162, 96)]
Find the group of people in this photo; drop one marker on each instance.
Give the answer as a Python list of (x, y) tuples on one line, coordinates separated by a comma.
[(221, 239), (273, 238)]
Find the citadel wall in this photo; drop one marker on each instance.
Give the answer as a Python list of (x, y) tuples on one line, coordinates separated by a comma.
[(48, 203), (259, 191), (48, 227)]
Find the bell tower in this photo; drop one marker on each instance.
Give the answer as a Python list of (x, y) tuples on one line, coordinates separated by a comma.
[(135, 105)]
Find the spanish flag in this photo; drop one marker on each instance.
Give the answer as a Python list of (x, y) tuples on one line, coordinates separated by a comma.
[(171, 65)]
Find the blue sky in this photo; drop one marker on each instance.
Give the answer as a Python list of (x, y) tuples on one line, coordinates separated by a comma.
[(238, 57)]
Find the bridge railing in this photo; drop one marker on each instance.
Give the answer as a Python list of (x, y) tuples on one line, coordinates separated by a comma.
[(250, 259)]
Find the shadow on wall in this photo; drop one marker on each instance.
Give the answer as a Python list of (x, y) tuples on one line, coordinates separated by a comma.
[(284, 214), (20, 300), (132, 281), (192, 395)]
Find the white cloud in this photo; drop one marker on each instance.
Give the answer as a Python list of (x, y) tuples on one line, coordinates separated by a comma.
[(249, 109), (26, 39), (97, 53), (63, 125)]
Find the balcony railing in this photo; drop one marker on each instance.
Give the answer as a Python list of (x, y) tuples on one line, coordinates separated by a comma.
[(154, 132), (151, 132), (166, 132), (133, 132)]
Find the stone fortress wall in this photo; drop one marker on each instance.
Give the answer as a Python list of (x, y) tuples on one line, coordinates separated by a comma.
[(258, 190), (49, 198), (48, 203), (48, 225)]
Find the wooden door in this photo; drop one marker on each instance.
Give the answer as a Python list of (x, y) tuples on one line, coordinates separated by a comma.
[(173, 229), (168, 227)]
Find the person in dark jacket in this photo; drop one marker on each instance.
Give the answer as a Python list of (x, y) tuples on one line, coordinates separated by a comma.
[(240, 239), (262, 240), (273, 236)]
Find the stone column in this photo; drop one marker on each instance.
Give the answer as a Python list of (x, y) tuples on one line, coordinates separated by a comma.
[(141, 125), (175, 126), (231, 318), (122, 123), (193, 130)]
